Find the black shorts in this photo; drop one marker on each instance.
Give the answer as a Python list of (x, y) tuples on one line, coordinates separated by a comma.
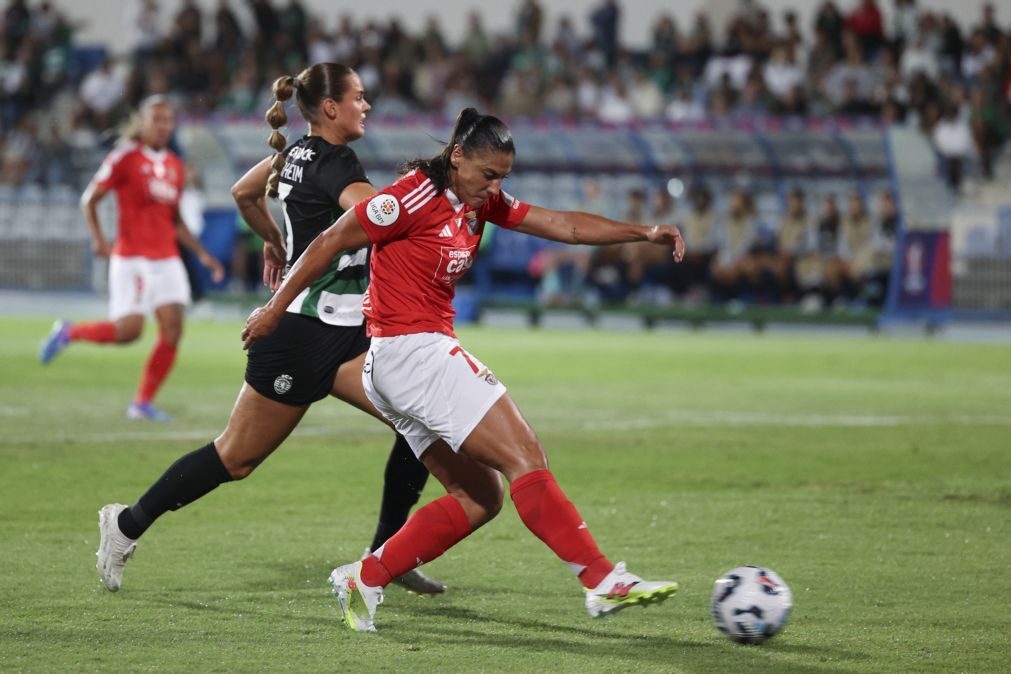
[(296, 364)]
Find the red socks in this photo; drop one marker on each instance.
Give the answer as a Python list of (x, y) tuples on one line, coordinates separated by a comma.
[(100, 332), (438, 526), (548, 513), (429, 532), (159, 364)]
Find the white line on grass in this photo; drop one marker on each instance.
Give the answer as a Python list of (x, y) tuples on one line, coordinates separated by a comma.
[(568, 423)]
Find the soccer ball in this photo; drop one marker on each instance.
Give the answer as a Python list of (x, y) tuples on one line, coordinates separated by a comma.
[(750, 604)]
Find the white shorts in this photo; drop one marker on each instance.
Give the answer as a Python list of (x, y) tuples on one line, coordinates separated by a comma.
[(429, 388), (138, 285)]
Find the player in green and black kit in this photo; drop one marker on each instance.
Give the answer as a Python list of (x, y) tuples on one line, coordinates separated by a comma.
[(320, 344)]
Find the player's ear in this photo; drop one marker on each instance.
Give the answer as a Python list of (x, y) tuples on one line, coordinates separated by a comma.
[(456, 156), (330, 108)]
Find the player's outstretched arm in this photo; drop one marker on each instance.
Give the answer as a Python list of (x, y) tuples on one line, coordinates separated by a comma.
[(577, 227), (344, 234)]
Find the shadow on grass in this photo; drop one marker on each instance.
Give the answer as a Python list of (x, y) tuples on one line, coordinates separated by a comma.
[(613, 643)]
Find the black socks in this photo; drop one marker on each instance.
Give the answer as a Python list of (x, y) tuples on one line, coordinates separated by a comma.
[(403, 482), (185, 481)]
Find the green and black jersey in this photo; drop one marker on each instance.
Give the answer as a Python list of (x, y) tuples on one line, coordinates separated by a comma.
[(312, 179)]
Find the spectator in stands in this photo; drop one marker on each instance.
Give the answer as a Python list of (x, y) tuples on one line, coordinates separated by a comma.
[(886, 231), (608, 272), (16, 25), (991, 31), (856, 246), (989, 128), (615, 104), (868, 25), (698, 227), (954, 144), (101, 94), (918, 58), (605, 20), (734, 272), (645, 96), (20, 153), (142, 25), (829, 21), (228, 37), (825, 261), (793, 241), (781, 72), (851, 81), (905, 24)]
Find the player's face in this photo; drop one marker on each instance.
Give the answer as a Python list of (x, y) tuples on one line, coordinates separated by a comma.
[(157, 122), (479, 176), (351, 110)]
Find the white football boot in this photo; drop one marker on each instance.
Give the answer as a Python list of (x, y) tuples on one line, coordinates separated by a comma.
[(114, 548), (356, 600), (621, 589)]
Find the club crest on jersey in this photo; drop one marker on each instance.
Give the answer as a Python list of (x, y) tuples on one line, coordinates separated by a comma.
[(383, 210), (472, 223), (282, 384)]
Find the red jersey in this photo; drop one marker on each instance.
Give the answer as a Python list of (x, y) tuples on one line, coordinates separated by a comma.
[(423, 244), (148, 184)]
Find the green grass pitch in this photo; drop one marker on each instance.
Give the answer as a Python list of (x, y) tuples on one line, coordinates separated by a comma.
[(872, 473)]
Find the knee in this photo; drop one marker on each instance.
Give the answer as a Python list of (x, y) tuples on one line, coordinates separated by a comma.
[(129, 332), (171, 334), (238, 466), (529, 457)]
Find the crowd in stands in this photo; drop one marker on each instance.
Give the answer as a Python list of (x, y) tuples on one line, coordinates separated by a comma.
[(837, 257), (922, 68)]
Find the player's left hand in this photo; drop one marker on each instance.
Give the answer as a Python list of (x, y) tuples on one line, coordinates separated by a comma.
[(213, 266), (668, 235), (274, 261), (260, 323)]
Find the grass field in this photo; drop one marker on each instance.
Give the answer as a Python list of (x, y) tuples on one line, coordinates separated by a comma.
[(873, 474)]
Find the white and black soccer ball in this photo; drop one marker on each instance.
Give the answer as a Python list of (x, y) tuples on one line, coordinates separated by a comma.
[(750, 604)]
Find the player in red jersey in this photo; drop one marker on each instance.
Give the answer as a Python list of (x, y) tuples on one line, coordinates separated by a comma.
[(146, 273), (454, 412)]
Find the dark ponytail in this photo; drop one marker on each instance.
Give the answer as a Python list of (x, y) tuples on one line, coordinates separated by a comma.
[(474, 133), (310, 87)]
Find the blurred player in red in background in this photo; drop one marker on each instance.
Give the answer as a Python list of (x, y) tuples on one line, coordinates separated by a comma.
[(145, 271), (454, 413)]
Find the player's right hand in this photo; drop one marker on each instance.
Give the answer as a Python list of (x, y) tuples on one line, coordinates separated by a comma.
[(101, 248), (274, 260), (260, 323)]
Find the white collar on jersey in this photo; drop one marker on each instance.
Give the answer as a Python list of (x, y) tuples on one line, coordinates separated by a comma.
[(153, 155), (454, 201)]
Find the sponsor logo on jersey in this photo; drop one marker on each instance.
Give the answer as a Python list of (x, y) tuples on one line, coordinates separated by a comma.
[(282, 384), (447, 232), (163, 191), (383, 210), (453, 262), (301, 154)]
